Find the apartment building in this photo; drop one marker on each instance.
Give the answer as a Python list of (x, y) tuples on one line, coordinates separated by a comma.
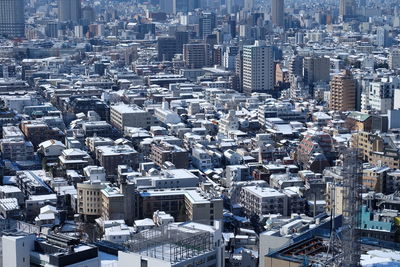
[(377, 149), (95, 141), (74, 159), (38, 132), (343, 95), (263, 200), (89, 200), (162, 152), (120, 203), (258, 68), (182, 204), (122, 116), (16, 149), (201, 159), (110, 157)]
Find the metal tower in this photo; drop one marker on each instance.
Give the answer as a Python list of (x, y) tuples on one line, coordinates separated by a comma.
[(350, 235)]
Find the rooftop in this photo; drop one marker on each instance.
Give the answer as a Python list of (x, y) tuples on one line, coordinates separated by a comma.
[(264, 192)]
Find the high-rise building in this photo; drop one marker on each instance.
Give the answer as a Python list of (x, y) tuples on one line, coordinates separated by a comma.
[(88, 14), (180, 6), (12, 20), (69, 11), (278, 12), (207, 24), (182, 37), (167, 6), (347, 8), (230, 57), (382, 37), (316, 69), (166, 47), (195, 55), (343, 92), (258, 68)]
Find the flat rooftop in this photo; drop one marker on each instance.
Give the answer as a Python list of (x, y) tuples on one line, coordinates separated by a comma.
[(264, 192)]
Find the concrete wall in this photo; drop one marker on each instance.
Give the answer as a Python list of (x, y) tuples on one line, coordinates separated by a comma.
[(16, 250)]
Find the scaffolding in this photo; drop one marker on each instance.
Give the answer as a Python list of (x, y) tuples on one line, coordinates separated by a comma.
[(352, 186), (171, 243)]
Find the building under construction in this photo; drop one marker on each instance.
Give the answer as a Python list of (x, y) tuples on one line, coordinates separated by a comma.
[(175, 245), (340, 243)]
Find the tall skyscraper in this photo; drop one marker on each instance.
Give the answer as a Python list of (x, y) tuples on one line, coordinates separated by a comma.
[(258, 68), (343, 92), (347, 8), (69, 11), (12, 20), (278, 14)]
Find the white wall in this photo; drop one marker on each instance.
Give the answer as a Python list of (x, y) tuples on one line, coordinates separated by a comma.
[(16, 250), (133, 259)]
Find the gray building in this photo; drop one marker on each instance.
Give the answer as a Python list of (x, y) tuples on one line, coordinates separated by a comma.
[(12, 20), (69, 10)]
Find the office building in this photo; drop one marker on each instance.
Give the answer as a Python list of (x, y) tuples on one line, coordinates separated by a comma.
[(39, 131), (195, 56), (258, 68), (347, 9), (12, 18), (316, 69), (278, 12), (343, 95), (181, 39), (69, 11), (131, 116), (382, 37), (24, 250), (167, 6), (166, 47), (207, 24)]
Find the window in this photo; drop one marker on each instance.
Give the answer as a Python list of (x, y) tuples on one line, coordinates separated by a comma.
[(143, 263)]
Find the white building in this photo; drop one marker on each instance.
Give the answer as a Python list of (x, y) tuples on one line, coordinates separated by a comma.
[(165, 115), (379, 95), (122, 116), (201, 159), (229, 123), (161, 218), (51, 148), (95, 173), (263, 200), (18, 249), (258, 68)]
